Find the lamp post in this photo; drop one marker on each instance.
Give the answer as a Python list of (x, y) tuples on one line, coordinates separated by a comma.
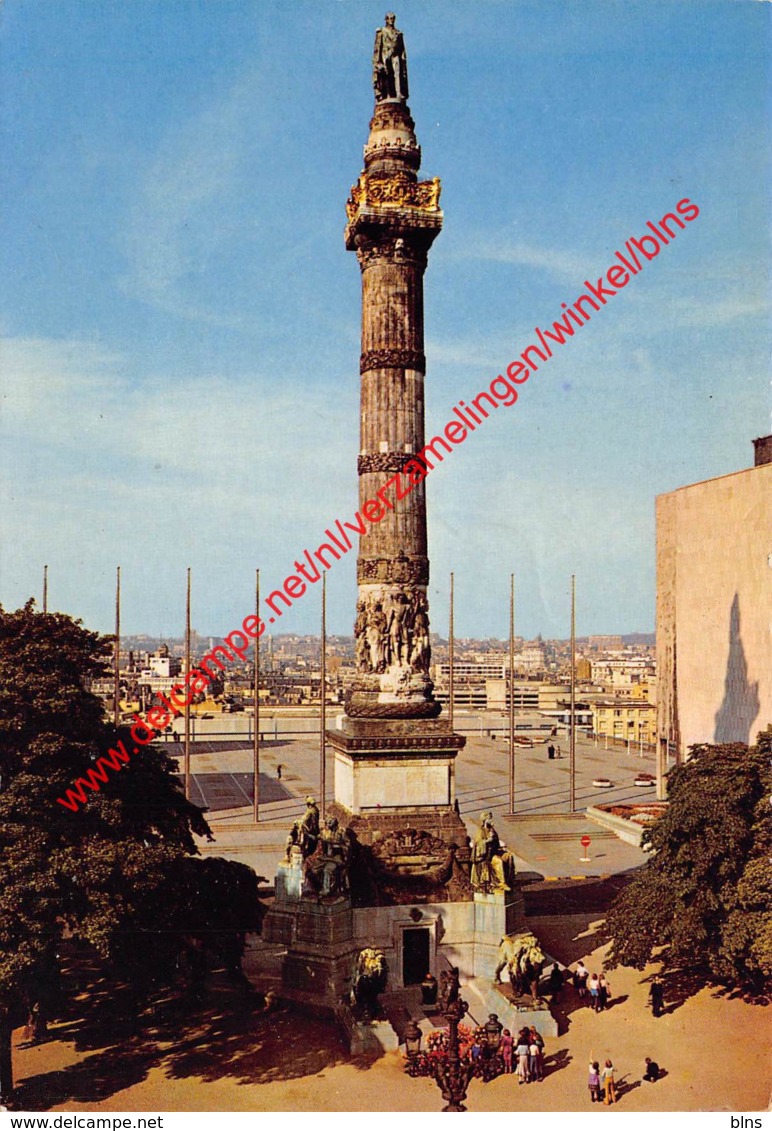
[(493, 1031), (450, 1072)]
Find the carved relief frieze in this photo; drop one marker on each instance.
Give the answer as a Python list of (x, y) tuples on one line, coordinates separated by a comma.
[(393, 149), (396, 570), (392, 631), (392, 359), (394, 191), (388, 462), (398, 746), (391, 249), (391, 115)]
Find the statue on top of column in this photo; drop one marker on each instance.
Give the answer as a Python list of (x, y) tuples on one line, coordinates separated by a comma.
[(389, 62)]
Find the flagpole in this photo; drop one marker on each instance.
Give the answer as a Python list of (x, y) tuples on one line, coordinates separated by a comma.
[(256, 713), (45, 588), (572, 732), (117, 654), (323, 712), (187, 697), (512, 694), (451, 658)]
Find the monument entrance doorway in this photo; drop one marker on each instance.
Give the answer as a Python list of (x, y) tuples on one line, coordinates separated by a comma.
[(415, 955)]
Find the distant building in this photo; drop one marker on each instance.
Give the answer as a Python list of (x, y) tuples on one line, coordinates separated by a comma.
[(476, 671), (714, 610), (605, 643), (583, 670), (530, 695), (162, 664), (624, 719), (161, 673), (623, 670)]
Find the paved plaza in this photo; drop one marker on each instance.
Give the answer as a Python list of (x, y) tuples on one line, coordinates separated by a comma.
[(227, 1055), (544, 837)]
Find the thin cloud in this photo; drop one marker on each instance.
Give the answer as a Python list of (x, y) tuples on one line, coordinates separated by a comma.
[(559, 264), (194, 174)]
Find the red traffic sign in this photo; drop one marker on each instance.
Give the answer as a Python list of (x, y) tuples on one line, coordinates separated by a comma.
[(585, 841)]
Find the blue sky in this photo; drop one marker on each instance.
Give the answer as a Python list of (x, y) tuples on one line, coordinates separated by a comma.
[(180, 320)]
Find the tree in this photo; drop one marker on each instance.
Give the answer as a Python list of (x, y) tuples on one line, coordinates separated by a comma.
[(704, 893), (116, 871)]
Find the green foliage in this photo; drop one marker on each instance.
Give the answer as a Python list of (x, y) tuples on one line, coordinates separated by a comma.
[(704, 893), (120, 872)]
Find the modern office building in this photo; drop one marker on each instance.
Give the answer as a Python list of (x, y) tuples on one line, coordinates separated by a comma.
[(714, 610)]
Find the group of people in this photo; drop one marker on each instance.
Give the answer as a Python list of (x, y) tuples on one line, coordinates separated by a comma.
[(601, 1082), (523, 1054), (592, 986)]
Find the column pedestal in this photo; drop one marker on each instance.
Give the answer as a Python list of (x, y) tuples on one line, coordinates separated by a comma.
[(393, 774)]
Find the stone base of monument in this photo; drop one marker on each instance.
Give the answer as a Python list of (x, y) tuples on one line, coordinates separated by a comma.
[(484, 998), (318, 938), (280, 922), (495, 915), (464, 933), (394, 774), (321, 956)]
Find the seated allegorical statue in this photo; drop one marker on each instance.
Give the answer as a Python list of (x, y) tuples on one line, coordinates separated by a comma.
[(327, 869), (304, 834), (493, 868)]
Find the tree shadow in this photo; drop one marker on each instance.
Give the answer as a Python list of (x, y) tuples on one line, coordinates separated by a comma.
[(681, 984), (223, 1031)]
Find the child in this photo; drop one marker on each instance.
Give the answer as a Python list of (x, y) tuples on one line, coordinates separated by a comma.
[(593, 1081)]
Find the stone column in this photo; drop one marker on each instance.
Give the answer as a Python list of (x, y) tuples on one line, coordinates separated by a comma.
[(392, 221), (394, 755)]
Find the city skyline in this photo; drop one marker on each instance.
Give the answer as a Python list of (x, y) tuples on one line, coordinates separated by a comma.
[(170, 399)]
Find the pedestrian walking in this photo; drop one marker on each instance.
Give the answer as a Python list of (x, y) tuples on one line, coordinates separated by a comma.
[(593, 1081), (581, 974), (652, 1070), (550, 751), (506, 1049), (278, 771), (555, 982), (521, 1052), (657, 996), (607, 1080), (559, 753), (604, 992), (593, 983)]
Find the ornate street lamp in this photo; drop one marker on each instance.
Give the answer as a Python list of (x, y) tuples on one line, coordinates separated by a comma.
[(445, 1065), (493, 1031)]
